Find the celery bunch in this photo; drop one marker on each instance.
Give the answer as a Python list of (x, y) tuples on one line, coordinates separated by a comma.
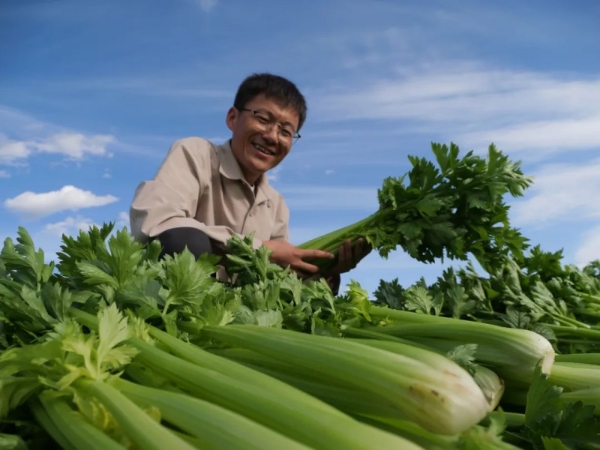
[(416, 384), (451, 210)]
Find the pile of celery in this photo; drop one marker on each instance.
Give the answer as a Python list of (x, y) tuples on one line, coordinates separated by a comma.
[(113, 348), (116, 349)]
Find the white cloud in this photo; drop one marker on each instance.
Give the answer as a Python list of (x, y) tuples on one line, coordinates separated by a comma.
[(550, 136), (466, 91), (75, 145), (68, 226), (22, 137), (32, 205), (207, 5), (122, 220), (4, 174), (11, 152), (590, 249), (560, 192), (515, 109), (329, 171)]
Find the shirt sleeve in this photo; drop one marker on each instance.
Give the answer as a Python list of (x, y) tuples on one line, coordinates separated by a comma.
[(170, 200)]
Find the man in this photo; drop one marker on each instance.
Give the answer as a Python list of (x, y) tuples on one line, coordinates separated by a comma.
[(204, 193)]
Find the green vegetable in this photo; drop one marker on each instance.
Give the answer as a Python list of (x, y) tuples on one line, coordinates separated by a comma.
[(450, 210), (211, 425), (575, 375), (70, 422), (513, 353), (424, 386)]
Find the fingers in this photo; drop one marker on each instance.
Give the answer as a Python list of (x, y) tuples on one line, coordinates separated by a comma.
[(313, 253), (305, 268)]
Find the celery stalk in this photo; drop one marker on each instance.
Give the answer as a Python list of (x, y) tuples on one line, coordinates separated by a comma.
[(491, 385), (343, 397), (261, 398), (138, 425), (313, 423), (488, 381), (74, 427), (575, 375), (512, 353), (49, 425), (212, 426), (584, 358), (431, 390)]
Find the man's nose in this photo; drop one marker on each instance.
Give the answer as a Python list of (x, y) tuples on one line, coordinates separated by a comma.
[(271, 133)]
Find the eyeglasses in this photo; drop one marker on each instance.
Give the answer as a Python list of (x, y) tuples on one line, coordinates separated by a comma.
[(266, 121)]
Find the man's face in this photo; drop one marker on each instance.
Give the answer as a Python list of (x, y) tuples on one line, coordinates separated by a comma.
[(258, 143)]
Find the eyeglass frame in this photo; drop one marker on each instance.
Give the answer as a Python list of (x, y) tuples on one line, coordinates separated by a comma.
[(272, 122)]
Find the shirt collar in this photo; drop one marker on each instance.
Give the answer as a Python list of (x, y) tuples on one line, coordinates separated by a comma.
[(231, 169)]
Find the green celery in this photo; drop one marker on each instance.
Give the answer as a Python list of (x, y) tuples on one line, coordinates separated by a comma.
[(446, 403), (585, 358), (513, 353), (74, 427), (348, 399), (491, 385), (575, 375), (307, 420), (212, 426), (136, 423), (49, 425), (589, 396), (440, 212)]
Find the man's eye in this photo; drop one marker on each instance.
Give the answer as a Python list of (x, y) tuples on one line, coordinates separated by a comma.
[(286, 133), (263, 119)]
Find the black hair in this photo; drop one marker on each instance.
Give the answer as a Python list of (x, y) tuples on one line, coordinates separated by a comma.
[(275, 87)]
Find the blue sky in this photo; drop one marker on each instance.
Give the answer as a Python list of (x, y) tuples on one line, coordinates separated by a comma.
[(92, 94)]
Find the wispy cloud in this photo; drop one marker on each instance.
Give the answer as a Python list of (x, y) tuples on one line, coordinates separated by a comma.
[(590, 249), (561, 192), (31, 205), (207, 5), (122, 220), (517, 109), (75, 145), (12, 152), (68, 226), (4, 174), (22, 136), (543, 137), (463, 93)]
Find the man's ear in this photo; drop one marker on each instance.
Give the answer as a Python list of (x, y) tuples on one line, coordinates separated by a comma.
[(232, 117)]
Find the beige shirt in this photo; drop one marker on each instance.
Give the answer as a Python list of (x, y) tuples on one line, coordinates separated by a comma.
[(201, 185)]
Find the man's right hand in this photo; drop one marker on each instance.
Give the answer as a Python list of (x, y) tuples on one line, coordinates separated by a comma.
[(286, 254)]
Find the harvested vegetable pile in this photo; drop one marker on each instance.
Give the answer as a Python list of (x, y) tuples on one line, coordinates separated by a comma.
[(112, 348)]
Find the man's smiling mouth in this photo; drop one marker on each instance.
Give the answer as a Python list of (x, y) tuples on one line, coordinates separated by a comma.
[(262, 149)]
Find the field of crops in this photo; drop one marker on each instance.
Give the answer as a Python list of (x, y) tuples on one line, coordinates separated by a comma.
[(110, 347)]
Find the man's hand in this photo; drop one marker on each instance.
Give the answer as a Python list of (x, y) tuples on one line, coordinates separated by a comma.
[(286, 254), (349, 255)]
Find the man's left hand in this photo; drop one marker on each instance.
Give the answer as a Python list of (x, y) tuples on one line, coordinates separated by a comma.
[(349, 255)]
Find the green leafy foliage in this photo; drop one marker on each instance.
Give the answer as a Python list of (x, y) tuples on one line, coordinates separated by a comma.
[(549, 423), (449, 211)]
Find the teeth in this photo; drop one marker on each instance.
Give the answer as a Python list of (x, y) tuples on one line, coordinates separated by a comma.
[(263, 150)]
